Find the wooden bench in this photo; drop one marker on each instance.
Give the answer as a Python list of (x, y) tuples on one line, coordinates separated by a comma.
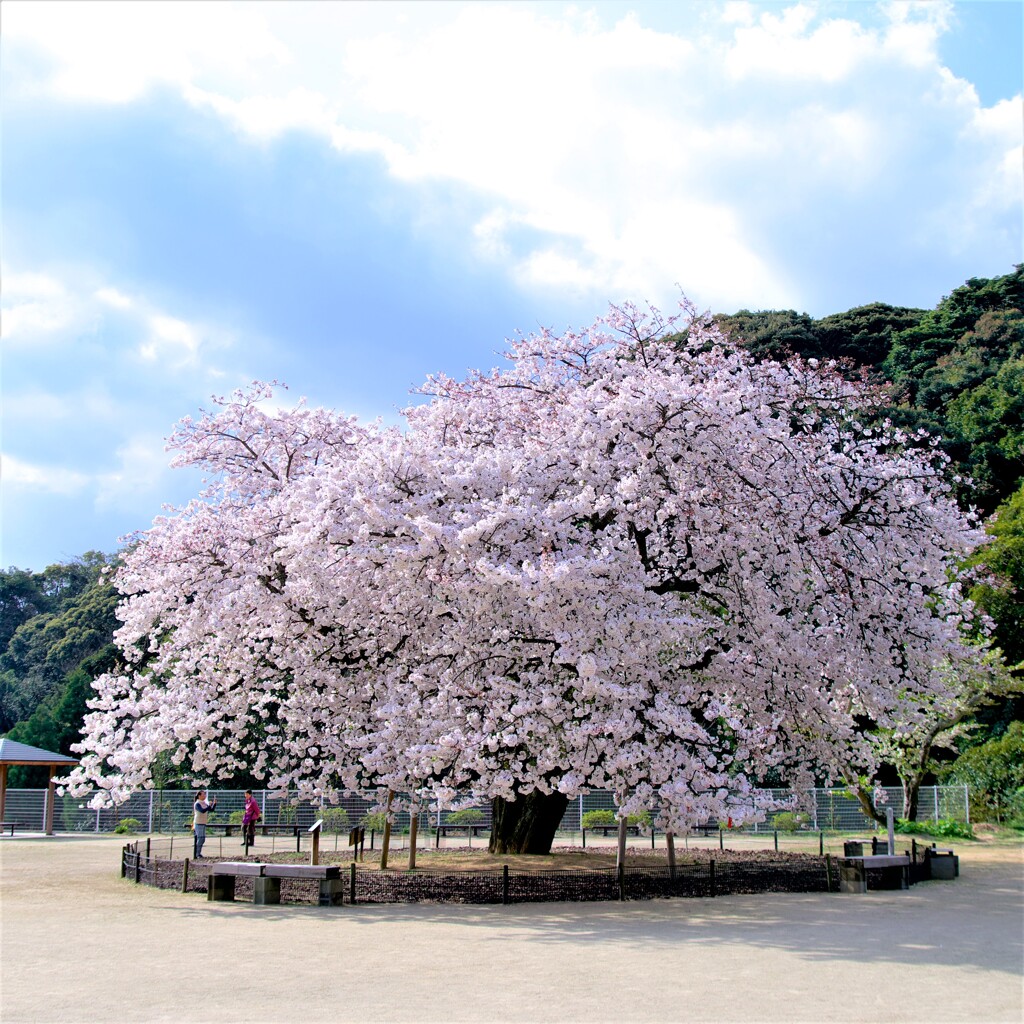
[(612, 830), (328, 875), (267, 881), (607, 830), (8, 825), (853, 872), (220, 883), (943, 865), (228, 828), (470, 829)]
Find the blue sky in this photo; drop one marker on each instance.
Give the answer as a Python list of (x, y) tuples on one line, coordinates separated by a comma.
[(347, 197)]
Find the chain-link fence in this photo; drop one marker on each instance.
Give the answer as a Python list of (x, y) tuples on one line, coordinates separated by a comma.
[(170, 811)]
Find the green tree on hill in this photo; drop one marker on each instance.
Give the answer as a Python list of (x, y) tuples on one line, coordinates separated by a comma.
[(61, 618)]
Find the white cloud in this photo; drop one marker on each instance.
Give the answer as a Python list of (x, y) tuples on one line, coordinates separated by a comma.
[(789, 45), (170, 339), (606, 157), (914, 29), (140, 476), (85, 414), (26, 476), (115, 52), (34, 305), (112, 297), (39, 307)]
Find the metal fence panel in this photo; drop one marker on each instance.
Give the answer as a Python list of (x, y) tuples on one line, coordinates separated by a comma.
[(170, 811)]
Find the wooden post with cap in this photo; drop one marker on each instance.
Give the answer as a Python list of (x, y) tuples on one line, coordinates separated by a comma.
[(314, 853), (386, 841)]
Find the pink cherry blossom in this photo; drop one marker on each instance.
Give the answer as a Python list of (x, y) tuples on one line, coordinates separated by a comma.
[(632, 559)]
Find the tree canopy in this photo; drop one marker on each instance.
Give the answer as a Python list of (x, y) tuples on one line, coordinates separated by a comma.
[(625, 561)]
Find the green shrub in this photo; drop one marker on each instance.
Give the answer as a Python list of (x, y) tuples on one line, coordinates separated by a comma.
[(946, 828), (468, 816), (235, 817), (286, 814), (128, 826), (994, 773), (70, 812), (374, 821), (335, 819), (605, 818), (789, 821)]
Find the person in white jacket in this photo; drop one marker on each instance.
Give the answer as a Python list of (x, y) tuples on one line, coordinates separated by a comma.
[(201, 810)]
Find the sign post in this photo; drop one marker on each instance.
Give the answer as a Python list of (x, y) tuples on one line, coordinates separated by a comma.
[(314, 853), (357, 839)]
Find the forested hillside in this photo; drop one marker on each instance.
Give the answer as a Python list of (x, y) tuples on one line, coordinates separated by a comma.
[(56, 636), (957, 370)]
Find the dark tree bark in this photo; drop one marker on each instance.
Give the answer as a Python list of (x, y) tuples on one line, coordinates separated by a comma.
[(911, 796), (528, 824)]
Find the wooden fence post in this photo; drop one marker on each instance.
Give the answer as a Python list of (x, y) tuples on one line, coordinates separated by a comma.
[(414, 824), (385, 843)]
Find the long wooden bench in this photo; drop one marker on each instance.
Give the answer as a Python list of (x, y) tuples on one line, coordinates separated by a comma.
[(229, 828), (8, 825), (468, 828), (267, 881), (853, 872), (328, 875)]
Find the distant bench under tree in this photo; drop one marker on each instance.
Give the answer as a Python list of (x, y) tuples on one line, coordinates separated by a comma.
[(267, 881)]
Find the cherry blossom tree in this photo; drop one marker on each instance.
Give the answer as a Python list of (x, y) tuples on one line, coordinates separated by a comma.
[(632, 559)]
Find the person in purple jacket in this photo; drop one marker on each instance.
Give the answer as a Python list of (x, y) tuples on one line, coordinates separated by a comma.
[(249, 818)]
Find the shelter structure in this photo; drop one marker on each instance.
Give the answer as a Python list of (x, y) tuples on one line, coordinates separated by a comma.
[(14, 753)]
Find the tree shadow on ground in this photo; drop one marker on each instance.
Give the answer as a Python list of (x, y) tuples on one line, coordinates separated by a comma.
[(973, 921)]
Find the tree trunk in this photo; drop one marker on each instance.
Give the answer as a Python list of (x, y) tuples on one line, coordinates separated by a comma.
[(911, 796), (526, 825)]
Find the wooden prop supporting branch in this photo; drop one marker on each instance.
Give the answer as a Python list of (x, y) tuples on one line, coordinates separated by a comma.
[(620, 857), (386, 841), (314, 853), (414, 821), (670, 842)]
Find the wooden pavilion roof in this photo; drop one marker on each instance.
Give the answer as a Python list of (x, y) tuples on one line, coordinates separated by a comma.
[(12, 752)]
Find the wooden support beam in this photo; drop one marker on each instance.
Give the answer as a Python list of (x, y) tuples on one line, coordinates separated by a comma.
[(386, 841)]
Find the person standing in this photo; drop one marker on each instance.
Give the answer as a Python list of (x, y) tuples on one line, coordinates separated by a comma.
[(249, 819), (200, 812)]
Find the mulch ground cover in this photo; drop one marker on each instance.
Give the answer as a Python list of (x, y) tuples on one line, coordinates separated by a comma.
[(568, 874)]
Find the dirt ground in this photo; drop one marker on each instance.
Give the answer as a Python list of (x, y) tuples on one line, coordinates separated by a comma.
[(80, 944)]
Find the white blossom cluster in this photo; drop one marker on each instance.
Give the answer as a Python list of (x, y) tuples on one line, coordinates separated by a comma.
[(632, 560)]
